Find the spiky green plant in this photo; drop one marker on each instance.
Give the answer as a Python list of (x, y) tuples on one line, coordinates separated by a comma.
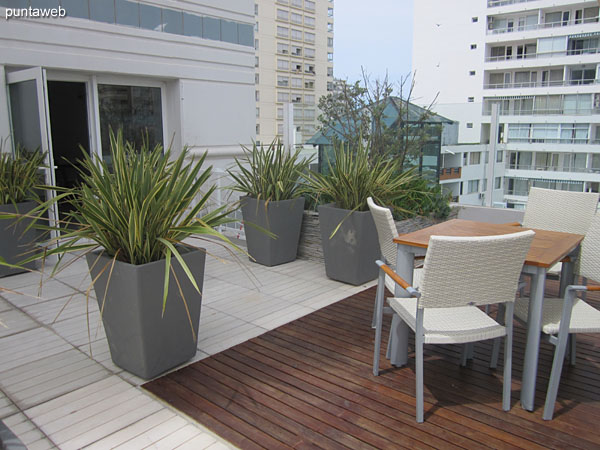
[(355, 176), (19, 175), (269, 174), (138, 207)]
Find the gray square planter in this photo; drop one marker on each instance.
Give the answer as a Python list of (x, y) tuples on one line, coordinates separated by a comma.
[(351, 254), (15, 243), (282, 218), (140, 340)]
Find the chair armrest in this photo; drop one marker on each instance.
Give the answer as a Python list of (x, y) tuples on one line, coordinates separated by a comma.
[(398, 279), (583, 288), (513, 224)]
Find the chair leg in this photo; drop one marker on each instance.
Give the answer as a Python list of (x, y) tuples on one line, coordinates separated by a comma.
[(572, 349), (467, 353), (496, 345), (419, 377), (507, 377), (557, 365)]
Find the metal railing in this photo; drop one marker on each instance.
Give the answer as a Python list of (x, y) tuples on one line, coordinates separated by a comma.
[(529, 140), (541, 26), (552, 168), (450, 173), (541, 84), (585, 51), (545, 112), (495, 3)]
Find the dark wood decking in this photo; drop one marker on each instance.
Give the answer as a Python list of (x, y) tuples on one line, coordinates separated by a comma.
[(309, 384)]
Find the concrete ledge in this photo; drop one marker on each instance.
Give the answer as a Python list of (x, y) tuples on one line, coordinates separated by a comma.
[(8, 441)]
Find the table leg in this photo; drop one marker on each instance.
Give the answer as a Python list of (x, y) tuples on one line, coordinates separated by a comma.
[(534, 319)]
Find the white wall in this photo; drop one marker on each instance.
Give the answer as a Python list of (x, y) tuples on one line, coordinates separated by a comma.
[(209, 85)]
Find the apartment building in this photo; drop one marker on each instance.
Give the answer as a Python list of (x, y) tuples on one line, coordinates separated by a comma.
[(539, 62), (294, 64)]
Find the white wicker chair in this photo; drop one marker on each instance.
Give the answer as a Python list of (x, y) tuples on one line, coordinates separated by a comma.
[(558, 312), (386, 232), (460, 274)]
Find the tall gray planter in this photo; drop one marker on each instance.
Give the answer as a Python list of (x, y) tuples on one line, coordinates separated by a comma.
[(140, 340), (282, 218), (351, 254), (15, 242)]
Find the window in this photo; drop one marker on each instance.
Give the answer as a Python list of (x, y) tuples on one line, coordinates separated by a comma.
[(283, 32), (257, 129), (118, 106), (473, 186), (469, 124), (256, 61), (297, 83), (297, 67), (471, 99), (255, 9), (296, 98), (309, 99), (279, 128), (296, 18), (257, 95), (256, 78), (283, 81), (309, 52), (283, 48), (471, 73), (255, 44), (280, 113), (283, 96), (329, 26), (474, 19), (475, 158), (473, 46), (330, 71), (283, 64), (329, 56), (309, 37), (297, 35), (282, 14), (329, 12), (309, 84), (257, 112), (296, 50), (310, 5), (329, 86), (309, 21), (499, 157), (329, 42), (309, 114), (309, 68), (498, 183), (297, 3)]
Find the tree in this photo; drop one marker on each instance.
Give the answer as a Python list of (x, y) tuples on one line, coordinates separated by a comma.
[(379, 113)]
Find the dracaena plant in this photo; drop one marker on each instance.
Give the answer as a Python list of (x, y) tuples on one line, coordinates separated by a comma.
[(19, 175), (355, 175), (271, 173), (138, 208)]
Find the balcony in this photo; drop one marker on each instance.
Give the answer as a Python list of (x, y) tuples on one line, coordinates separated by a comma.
[(535, 84), (496, 3), (450, 173), (543, 26), (587, 51)]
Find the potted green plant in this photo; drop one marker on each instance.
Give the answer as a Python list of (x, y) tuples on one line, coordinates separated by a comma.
[(348, 233), (130, 220), (272, 207), (19, 179)]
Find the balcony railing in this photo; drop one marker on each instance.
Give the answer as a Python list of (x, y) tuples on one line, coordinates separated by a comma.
[(494, 3), (552, 168), (546, 112), (450, 173), (585, 51), (532, 84), (541, 26), (529, 140)]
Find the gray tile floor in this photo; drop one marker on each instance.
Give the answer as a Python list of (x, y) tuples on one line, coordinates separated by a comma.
[(59, 387)]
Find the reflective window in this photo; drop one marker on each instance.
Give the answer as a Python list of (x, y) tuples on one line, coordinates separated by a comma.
[(192, 25), (14, 3), (245, 34), (172, 21), (102, 11), (128, 13), (137, 110), (150, 18), (229, 31), (76, 8), (44, 3), (211, 28)]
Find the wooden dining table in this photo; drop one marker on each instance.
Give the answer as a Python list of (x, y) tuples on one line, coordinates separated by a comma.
[(547, 249)]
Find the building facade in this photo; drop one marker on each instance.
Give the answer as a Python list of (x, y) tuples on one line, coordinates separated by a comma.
[(539, 62), (294, 64), (180, 72)]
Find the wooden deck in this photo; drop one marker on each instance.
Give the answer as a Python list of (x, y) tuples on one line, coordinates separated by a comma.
[(308, 384)]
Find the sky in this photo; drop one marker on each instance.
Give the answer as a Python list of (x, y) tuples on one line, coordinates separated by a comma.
[(374, 34)]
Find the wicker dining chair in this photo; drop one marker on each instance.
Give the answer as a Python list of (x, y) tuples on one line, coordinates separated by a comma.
[(386, 232), (562, 317), (460, 274)]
